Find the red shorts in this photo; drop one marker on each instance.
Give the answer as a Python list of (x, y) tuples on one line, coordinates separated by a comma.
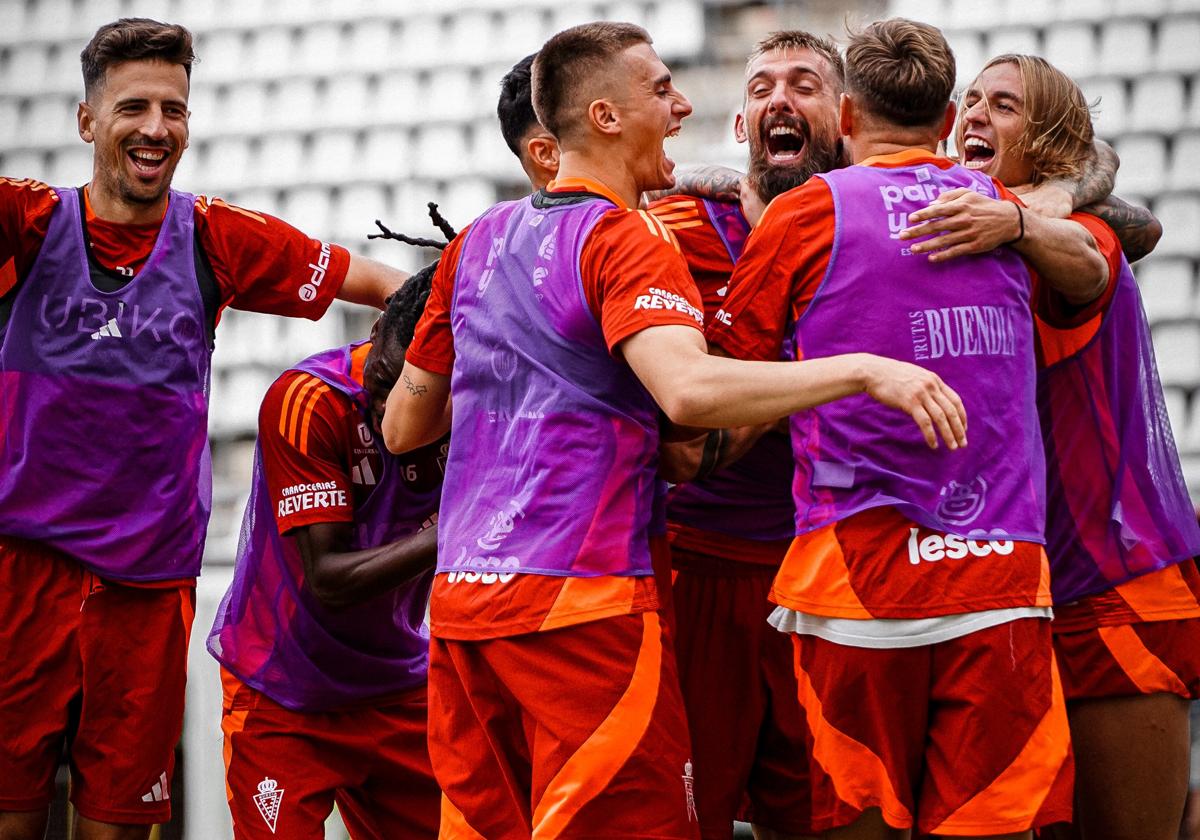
[(965, 737), (1146, 657), (284, 769), (97, 665), (576, 732), (750, 739)]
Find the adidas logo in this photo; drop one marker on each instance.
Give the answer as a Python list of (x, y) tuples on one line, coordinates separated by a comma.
[(161, 791), (109, 330)]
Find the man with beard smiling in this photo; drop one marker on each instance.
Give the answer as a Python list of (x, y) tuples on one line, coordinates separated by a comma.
[(731, 524), (109, 295)]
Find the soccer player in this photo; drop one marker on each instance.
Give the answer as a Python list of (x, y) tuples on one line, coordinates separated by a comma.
[(916, 584), (731, 527), (108, 298), (535, 147), (1121, 529), (321, 636), (567, 319)]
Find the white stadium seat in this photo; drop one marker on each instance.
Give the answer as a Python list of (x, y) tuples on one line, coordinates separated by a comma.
[(281, 160), (308, 209), (1185, 162), (334, 157), (441, 152), (244, 106), (355, 210), (11, 123), (1168, 288), (1125, 46), (1177, 345), (965, 14), (1179, 44), (1084, 9), (1020, 39), (1180, 217), (51, 121), (26, 70), (294, 104), (273, 53), (26, 163), (522, 31), (71, 166), (226, 164), (319, 48), (369, 45), (1071, 47), (347, 102), (1143, 163), (1140, 8), (398, 98), (223, 55), (1158, 103), (969, 55), (386, 154), (423, 41), (678, 27), (1110, 99)]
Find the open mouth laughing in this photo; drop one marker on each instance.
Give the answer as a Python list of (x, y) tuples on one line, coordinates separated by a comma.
[(785, 140), (977, 153)]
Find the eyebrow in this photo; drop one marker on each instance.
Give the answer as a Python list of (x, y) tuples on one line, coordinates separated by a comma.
[(800, 70), (142, 100), (664, 79)]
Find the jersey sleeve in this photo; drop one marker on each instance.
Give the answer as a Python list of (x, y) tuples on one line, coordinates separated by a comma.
[(1057, 312), (635, 278), (263, 264), (25, 210), (707, 257), (432, 347), (785, 260), (304, 452)]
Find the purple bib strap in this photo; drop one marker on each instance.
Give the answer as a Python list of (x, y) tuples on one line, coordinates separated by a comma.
[(730, 224), (1118, 505), (969, 320), (104, 405), (556, 442), (275, 636)]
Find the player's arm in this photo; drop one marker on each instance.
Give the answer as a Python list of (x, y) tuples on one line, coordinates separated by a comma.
[(695, 388), (963, 222), (716, 182), (1137, 228), (369, 282), (700, 457), (418, 410), (1059, 197), (341, 578)]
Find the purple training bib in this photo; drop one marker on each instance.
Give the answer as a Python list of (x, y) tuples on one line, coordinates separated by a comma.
[(555, 443), (104, 406), (969, 320), (272, 632)]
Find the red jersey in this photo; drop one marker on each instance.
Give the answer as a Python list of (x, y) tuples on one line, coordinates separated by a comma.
[(626, 254), (877, 563), (260, 263), (319, 457)]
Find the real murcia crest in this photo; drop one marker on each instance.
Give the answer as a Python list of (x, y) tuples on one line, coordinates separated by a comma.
[(268, 800)]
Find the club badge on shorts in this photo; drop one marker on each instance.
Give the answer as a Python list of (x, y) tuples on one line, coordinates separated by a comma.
[(269, 797)]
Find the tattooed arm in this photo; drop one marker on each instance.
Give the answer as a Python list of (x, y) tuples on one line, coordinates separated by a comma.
[(716, 182), (1059, 197), (1136, 227)]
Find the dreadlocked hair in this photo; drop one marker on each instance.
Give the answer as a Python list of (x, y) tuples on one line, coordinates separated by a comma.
[(404, 308), (421, 242)]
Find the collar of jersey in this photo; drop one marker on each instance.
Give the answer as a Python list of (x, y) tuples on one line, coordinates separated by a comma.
[(585, 185), (907, 157)]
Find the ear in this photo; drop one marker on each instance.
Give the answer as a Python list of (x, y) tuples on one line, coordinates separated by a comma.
[(845, 115), (604, 117), (948, 121), (83, 116), (739, 128), (543, 151)]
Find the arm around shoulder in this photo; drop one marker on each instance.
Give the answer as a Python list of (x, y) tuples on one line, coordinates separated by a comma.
[(369, 282)]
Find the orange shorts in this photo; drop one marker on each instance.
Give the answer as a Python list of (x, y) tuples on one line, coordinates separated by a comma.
[(575, 732), (750, 739), (95, 664), (965, 737), (285, 769), (1145, 657)]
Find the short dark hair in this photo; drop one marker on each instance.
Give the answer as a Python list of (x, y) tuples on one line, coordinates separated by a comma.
[(570, 58), (798, 39), (901, 70), (134, 39), (515, 108), (403, 309)]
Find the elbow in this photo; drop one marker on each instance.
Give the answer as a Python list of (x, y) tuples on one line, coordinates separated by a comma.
[(329, 590), (394, 438), (686, 406)]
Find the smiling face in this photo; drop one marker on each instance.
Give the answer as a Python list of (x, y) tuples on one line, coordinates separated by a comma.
[(992, 123), (789, 119), (651, 109), (138, 123)]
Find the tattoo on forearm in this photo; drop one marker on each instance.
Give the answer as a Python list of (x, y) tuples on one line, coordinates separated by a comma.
[(716, 182), (1136, 227), (1095, 181), (413, 388)]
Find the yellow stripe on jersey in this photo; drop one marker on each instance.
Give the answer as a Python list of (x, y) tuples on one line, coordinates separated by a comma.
[(687, 203), (685, 225), (677, 217), (667, 235), (646, 217)]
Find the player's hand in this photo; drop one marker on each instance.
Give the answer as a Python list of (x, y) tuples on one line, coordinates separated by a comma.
[(1049, 200), (921, 394), (962, 222)]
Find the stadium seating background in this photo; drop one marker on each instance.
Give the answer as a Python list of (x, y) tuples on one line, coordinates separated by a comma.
[(334, 114)]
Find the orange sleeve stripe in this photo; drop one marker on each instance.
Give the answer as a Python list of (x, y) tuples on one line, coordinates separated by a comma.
[(685, 225), (666, 234), (589, 770), (296, 408), (646, 217), (857, 773), (1149, 673), (306, 414), (677, 217), (286, 404), (685, 204), (1014, 794)]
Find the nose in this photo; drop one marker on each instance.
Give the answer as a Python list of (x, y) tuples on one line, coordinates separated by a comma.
[(154, 125), (683, 106), (977, 114), (779, 100)]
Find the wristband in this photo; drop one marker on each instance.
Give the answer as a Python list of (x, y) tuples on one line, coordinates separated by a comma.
[(1021, 219), (712, 453)]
